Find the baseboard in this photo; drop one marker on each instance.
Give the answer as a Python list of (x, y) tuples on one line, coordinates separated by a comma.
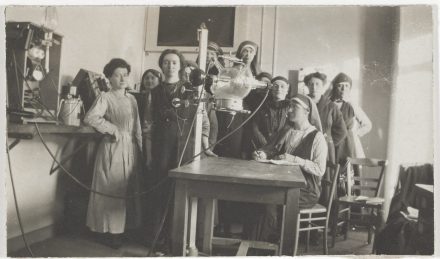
[(16, 243)]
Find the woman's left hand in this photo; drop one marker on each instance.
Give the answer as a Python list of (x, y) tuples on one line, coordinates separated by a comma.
[(286, 157)]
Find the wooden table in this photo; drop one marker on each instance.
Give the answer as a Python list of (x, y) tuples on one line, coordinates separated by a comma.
[(28, 131), (234, 180)]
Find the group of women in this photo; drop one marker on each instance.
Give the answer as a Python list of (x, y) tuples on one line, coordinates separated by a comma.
[(147, 142)]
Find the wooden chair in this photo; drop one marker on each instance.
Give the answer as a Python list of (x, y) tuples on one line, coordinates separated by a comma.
[(362, 193), (318, 216)]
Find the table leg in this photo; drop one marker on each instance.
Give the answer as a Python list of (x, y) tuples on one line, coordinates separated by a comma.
[(180, 219), (288, 230), (192, 227), (208, 225), (378, 226)]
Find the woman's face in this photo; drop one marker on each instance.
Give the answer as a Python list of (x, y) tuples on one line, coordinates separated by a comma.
[(119, 78), (171, 65), (247, 54), (211, 56), (316, 88), (342, 90), (150, 81), (279, 90), (297, 113)]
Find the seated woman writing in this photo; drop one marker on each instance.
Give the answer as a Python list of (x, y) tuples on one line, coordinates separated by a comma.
[(300, 143)]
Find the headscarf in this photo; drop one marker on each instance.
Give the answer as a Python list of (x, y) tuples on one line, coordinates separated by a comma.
[(279, 78), (215, 47), (314, 118), (255, 68)]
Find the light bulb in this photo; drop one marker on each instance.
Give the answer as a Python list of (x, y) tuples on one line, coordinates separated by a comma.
[(50, 18)]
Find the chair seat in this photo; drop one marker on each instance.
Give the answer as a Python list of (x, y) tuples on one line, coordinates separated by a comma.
[(318, 208), (370, 202)]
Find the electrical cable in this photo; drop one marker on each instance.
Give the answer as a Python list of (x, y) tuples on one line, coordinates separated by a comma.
[(16, 74), (190, 129), (30, 88), (54, 86), (233, 131), (156, 236), (136, 194), (181, 157), (20, 223), (165, 214), (162, 221)]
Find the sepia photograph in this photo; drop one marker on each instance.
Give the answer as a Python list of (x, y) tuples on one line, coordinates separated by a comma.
[(219, 130)]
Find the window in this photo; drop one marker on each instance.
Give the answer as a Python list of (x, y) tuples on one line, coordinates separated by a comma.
[(176, 27)]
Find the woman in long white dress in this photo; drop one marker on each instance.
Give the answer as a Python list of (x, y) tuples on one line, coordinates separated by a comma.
[(117, 168)]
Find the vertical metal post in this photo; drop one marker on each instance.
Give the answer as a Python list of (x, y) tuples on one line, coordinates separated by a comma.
[(203, 45)]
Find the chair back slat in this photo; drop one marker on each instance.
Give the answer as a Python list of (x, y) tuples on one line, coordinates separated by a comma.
[(359, 181), (362, 187), (333, 170), (370, 162), (381, 176), (368, 179)]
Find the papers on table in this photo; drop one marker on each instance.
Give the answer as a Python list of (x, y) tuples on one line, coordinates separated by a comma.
[(277, 162)]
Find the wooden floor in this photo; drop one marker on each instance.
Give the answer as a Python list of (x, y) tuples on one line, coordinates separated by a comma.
[(86, 246)]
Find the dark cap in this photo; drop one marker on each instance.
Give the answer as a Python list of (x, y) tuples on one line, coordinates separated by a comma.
[(341, 77), (318, 75)]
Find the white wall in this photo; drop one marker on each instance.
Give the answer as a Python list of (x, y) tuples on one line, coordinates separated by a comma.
[(38, 194), (318, 37), (411, 138), (92, 36), (332, 39)]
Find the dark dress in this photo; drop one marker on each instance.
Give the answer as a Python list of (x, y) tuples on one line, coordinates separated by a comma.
[(235, 146), (268, 121), (212, 115), (345, 148), (267, 218), (335, 132), (169, 132)]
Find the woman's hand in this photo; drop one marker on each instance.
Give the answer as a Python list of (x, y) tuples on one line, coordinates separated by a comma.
[(116, 136), (259, 155), (286, 157)]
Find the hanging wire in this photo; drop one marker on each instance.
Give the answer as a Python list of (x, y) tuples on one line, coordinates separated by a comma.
[(20, 223), (136, 194), (233, 131), (191, 128), (30, 89), (162, 221)]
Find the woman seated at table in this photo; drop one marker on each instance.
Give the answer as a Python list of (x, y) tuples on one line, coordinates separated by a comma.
[(300, 143)]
